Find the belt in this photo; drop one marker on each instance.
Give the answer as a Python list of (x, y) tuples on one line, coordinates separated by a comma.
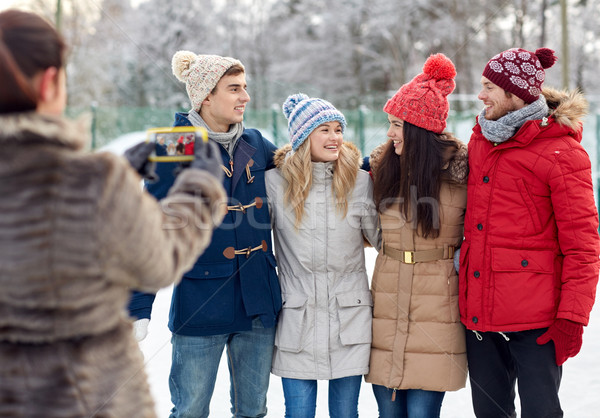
[(412, 257)]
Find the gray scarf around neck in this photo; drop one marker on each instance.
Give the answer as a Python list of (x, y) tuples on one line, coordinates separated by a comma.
[(228, 139), (504, 128)]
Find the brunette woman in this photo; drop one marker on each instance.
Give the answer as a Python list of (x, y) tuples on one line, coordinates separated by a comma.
[(418, 348)]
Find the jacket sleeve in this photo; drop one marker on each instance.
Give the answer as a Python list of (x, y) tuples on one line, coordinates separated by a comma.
[(150, 244), (140, 305), (576, 217), (270, 188)]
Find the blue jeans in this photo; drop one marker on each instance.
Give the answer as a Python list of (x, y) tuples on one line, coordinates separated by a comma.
[(195, 364), (411, 403), (301, 397)]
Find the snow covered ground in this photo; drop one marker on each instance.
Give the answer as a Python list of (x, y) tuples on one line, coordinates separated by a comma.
[(579, 389)]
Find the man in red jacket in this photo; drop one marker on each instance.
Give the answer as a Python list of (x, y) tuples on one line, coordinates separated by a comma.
[(529, 262)]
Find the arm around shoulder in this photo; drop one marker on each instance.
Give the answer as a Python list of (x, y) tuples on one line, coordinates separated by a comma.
[(370, 218)]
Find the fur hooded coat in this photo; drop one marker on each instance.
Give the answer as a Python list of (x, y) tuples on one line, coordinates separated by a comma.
[(77, 232), (418, 340), (324, 328)]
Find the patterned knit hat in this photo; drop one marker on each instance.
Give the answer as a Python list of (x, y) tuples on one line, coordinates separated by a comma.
[(200, 73), (305, 114), (520, 72), (423, 101)]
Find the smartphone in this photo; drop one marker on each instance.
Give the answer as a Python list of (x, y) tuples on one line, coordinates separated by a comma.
[(175, 144)]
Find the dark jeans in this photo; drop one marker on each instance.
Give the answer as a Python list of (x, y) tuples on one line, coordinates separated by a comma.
[(495, 364), (411, 403)]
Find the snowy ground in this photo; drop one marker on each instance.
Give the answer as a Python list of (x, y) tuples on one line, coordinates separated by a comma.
[(579, 389)]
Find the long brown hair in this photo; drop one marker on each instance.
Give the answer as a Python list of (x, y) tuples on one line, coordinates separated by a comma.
[(28, 45), (413, 180)]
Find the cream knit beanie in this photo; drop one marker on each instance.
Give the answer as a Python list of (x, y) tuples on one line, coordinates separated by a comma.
[(200, 73)]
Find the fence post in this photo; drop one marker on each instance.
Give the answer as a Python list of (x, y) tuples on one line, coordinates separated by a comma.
[(274, 127), (361, 128), (94, 108)]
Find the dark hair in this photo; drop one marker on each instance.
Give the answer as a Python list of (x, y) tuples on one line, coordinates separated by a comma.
[(28, 45), (415, 177)]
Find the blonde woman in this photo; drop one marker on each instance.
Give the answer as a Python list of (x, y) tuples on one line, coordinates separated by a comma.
[(321, 208)]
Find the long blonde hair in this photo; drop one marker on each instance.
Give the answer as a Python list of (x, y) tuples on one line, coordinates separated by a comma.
[(297, 171)]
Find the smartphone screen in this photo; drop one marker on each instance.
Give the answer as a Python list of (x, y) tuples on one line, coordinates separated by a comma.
[(175, 144)]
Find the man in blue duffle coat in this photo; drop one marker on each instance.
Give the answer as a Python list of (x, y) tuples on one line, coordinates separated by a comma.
[(231, 297)]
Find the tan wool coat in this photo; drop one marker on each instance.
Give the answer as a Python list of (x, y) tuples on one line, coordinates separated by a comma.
[(418, 340), (77, 233)]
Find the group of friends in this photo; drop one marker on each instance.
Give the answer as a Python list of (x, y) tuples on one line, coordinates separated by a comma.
[(487, 258)]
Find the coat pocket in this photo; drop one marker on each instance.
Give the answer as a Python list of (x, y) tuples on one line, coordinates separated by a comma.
[(526, 288), (530, 205), (210, 271), (291, 323), (355, 314)]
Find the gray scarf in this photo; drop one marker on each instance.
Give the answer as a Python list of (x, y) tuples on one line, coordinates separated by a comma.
[(504, 128), (228, 139)]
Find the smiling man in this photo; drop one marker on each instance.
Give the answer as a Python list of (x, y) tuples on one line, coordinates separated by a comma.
[(231, 297), (529, 262)]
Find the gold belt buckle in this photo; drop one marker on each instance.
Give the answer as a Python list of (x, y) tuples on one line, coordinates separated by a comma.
[(408, 257), (451, 251)]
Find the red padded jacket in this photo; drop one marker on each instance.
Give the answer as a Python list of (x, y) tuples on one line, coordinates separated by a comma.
[(531, 245)]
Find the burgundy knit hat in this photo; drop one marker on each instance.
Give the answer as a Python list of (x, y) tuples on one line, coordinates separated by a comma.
[(423, 101), (520, 72)]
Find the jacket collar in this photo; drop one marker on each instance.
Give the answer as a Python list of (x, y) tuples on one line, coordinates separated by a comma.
[(566, 108), (241, 157)]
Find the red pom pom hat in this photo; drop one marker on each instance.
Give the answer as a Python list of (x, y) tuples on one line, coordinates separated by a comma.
[(520, 72), (424, 100)]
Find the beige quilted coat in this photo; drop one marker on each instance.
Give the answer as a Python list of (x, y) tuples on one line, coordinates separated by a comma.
[(418, 340), (76, 234)]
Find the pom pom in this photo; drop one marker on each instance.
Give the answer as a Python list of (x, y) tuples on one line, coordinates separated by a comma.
[(546, 57), (291, 102), (181, 63), (439, 67)]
